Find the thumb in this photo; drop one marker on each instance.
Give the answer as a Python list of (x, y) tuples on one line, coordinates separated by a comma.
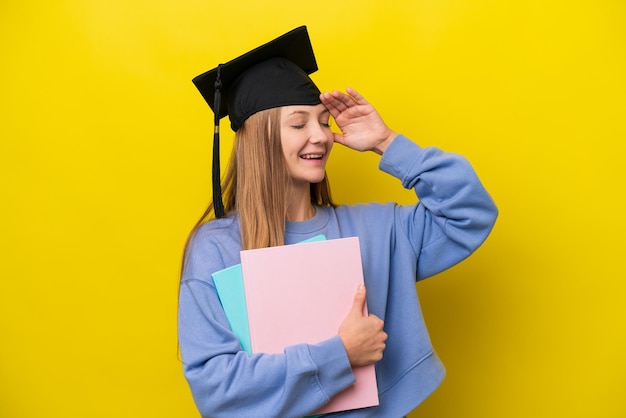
[(359, 302), (338, 138)]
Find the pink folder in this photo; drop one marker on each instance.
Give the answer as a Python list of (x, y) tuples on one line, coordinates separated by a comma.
[(301, 294)]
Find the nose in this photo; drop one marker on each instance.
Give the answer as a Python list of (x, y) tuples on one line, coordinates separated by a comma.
[(320, 134)]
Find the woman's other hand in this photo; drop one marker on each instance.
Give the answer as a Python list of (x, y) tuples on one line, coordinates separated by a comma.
[(362, 335)]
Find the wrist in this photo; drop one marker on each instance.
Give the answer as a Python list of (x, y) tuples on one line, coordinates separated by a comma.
[(382, 146)]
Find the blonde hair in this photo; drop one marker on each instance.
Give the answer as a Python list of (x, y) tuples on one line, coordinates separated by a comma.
[(256, 182)]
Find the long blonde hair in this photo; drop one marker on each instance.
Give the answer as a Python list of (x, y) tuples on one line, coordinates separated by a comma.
[(256, 181)]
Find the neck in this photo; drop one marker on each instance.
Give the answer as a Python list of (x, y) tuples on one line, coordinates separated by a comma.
[(300, 207)]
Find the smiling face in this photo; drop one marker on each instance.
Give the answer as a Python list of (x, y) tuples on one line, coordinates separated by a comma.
[(306, 141)]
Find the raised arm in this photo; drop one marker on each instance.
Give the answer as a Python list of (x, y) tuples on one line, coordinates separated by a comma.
[(455, 213)]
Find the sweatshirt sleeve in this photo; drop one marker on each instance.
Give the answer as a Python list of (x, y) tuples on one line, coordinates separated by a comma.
[(455, 213), (226, 381)]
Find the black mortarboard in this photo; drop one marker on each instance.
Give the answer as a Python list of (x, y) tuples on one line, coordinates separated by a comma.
[(272, 75)]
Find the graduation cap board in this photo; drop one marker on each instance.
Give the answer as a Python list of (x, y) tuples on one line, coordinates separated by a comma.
[(272, 75)]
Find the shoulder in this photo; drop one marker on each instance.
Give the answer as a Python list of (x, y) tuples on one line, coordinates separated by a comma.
[(213, 246), (217, 227), (213, 232)]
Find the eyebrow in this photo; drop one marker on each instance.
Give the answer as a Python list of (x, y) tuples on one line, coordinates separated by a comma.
[(305, 112)]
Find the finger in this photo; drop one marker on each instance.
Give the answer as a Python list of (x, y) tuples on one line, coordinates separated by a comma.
[(338, 138), (356, 96), (358, 304), (334, 106), (345, 99), (379, 322)]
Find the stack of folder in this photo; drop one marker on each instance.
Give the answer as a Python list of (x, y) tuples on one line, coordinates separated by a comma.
[(294, 294)]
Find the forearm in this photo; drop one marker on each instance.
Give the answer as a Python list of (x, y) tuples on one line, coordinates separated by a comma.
[(226, 381), (455, 213)]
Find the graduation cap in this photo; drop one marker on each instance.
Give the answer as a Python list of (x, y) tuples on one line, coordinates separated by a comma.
[(272, 75)]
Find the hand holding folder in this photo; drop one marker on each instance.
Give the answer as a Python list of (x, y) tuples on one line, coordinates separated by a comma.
[(362, 335)]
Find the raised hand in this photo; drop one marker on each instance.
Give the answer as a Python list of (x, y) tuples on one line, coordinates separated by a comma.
[(362, 128)]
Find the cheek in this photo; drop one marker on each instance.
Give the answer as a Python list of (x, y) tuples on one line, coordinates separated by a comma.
[(330, 142), (290, 147), (286, 142)]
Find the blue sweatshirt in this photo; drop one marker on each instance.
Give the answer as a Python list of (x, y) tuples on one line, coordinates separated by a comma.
[(399, 245)]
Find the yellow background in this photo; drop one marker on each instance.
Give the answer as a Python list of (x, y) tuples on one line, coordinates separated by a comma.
[(105, 165)]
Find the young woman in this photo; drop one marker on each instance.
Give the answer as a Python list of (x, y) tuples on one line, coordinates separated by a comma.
[(276, 193)]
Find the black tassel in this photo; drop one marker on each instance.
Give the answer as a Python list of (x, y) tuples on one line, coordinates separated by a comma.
[(218, 205)]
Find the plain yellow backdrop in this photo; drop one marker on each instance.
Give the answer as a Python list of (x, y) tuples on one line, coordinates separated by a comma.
[(105, 166)]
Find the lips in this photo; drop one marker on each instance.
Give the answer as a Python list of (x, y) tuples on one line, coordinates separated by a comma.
[(312, 156)]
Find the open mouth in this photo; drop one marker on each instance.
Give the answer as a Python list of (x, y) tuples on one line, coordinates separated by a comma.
[(312, 156)]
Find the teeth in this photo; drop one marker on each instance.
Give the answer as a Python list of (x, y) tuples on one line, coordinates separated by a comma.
[(312, 156)]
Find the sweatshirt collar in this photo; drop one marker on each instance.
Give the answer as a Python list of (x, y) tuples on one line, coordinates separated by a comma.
[(297, 231)]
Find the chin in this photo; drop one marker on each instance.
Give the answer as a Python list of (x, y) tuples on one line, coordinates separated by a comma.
[(317, 180)]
